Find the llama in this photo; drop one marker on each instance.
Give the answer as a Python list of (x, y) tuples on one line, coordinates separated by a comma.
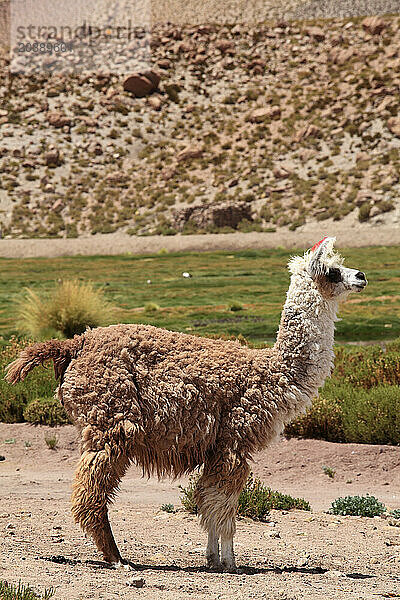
[(171, 402)]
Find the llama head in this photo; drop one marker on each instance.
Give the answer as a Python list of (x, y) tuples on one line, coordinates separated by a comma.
[(325, 268)]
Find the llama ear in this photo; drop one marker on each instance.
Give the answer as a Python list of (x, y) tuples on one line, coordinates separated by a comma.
[(318, 252)]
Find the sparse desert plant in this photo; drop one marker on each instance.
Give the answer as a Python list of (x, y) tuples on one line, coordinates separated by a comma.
[(151, 307), (68, 310), (168, 508), (9, 591), (329, 471), (51, 441), (45, 411), (364, 211), (235, 306), (255, 500), (362, 506)]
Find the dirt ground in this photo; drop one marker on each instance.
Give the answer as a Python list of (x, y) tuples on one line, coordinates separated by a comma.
[(294, 555), (349, 233)]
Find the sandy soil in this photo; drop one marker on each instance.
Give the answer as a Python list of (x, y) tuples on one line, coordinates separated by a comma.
[(349, 233), (295, 555)]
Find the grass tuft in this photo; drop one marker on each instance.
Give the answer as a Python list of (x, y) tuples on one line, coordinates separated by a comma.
[(10, 591), (70, 309)]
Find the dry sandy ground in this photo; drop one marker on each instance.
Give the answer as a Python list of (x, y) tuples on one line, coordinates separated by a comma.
[(295, 555), (349, 233)]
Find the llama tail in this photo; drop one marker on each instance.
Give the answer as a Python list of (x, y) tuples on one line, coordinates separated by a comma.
[(61, 352)]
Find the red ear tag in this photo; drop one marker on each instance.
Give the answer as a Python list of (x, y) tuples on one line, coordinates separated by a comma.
[(317, 245)]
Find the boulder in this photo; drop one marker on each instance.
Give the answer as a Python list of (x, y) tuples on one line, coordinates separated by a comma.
[(58, 119), (142, 84), (394, 125), (226, 214), (52, 158), (316, 33), (190, 152), (374, 25), (305, 132), (258, 115)]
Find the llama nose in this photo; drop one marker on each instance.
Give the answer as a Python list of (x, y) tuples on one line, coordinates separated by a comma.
[(361, 276)]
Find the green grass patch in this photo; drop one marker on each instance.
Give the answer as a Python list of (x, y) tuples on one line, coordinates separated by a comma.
[(256, 279)]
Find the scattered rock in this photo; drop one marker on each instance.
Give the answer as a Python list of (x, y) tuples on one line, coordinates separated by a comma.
[(374, 25), (58, 119), (57, 206), (155, 102), (190, 152), (258, 115), (340, 56), (305, 132), (137, 582), (334, 574), (142, 84), (394, 125), (225, 45), (52, 158), (316, 33), (116, 177)]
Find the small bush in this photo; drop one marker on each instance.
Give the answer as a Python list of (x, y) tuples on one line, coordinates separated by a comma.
[(255, 500), (151, 308), (373, 416), (70, 309), (45, 411), (14, 398), (187, 497), (324, 419), (345, 413), (9, 591), (51, 441), (235, 306), (168, 508), (363, 212), (329, 471), (362, 506)]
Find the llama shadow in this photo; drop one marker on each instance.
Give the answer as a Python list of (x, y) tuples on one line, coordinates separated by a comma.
[(243, 570)]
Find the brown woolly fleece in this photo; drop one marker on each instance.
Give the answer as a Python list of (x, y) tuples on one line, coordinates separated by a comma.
[(171, 402)]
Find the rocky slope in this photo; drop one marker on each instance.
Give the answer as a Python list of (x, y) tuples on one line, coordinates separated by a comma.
[(252, 127)]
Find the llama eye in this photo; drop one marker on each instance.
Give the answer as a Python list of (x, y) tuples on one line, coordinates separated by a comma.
[(334, 275)]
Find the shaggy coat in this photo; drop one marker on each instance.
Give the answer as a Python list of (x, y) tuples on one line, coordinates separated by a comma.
[(171, 402)]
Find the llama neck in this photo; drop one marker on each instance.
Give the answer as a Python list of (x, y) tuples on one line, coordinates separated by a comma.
[(304, 344)]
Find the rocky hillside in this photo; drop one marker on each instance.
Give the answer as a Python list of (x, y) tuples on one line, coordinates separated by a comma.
[(249, 128)]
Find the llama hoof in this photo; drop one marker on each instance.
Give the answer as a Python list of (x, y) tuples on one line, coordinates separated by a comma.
[(214, 563), (215, 567), (125, 565), (231, 569)]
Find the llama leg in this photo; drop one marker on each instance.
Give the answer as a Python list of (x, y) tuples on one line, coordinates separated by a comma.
[(216, 496), (227, 554), (212, 553), (96, 479)]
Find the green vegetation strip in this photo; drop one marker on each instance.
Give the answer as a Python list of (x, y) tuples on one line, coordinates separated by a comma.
[(228, 293)]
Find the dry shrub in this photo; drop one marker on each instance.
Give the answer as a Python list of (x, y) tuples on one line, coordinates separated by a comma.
[(68, 310), (45, 411)]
